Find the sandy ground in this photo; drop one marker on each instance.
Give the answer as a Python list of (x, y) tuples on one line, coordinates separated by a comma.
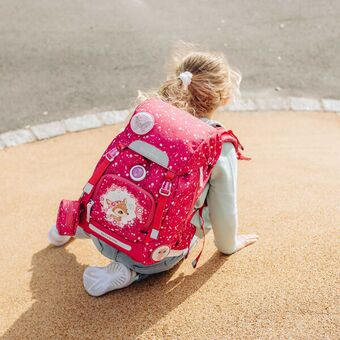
[(283, 287)]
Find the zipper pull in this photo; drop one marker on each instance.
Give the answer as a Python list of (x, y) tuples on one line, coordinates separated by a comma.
[(88, 210)]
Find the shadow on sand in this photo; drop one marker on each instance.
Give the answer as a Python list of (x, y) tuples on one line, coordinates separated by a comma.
[(62, 309)]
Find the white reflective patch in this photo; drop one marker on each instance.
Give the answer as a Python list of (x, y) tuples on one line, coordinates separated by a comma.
[(109, 237), (142, 122), (150, 152), (179, 252)]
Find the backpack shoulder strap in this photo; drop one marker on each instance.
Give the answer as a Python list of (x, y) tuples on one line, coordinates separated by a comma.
[(98, 172), (229, 136), (211, 122), (164, 193)]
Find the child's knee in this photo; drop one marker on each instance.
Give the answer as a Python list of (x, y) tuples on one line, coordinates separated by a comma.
[(80, 233)]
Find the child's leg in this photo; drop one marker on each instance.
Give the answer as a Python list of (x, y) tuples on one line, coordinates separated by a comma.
[(80, 233), (145, 271), (123, 271), (98, 281), (120, 273), (59, 240), (56, 239)]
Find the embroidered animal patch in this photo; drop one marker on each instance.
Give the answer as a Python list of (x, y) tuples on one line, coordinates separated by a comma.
[(120, 206)]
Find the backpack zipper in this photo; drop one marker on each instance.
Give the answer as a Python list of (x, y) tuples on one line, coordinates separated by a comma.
[(88, 210), (201, 177)]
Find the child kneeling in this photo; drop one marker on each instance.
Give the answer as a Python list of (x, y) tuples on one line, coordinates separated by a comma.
[(200, 84)]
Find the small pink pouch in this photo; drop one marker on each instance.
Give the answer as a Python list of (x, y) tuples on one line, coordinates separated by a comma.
[(68, 217)]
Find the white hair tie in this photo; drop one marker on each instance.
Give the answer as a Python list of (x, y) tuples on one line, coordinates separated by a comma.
[(186, 78)]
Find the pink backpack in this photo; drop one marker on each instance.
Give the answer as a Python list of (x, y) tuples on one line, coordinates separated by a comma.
[(141, 196)]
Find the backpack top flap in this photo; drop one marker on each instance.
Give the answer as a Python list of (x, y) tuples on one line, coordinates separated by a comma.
[(171, 137)]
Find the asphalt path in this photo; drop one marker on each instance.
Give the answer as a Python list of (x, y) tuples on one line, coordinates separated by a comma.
[(64, 58)]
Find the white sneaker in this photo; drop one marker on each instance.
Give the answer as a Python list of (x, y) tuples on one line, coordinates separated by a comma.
[(56, 239), (101, 280)]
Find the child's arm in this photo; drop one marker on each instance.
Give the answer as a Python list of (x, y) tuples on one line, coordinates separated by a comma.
[(222, 203)]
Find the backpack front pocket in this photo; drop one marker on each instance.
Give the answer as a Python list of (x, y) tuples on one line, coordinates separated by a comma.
[(122, 207)]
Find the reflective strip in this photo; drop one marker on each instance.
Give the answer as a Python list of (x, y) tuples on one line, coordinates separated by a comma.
[(184, 251), (150, 152), (87, 188), (109, 237), (180, 252), (201, 176)]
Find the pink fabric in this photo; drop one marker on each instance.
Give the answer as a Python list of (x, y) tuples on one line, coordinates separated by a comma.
[(133, 229), (123, 208), (68, 217)]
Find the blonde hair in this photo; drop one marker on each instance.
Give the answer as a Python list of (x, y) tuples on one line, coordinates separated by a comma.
[(213, 83)]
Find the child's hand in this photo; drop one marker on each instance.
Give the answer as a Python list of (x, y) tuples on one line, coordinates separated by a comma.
[(245, 240)]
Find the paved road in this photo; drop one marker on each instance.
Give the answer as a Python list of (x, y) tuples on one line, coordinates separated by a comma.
[(62, 58)]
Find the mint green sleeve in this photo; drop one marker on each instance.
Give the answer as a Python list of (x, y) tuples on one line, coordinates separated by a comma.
[(222, 200)]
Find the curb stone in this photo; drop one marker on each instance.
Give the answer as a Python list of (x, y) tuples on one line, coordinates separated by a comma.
[(305, 104), (331, 105), (49, 130), (241, 105), (95, 120), (113, 117), (274, 104), (17, 137), (89, 121)]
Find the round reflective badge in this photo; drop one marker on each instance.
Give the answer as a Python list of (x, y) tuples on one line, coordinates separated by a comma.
[(160, 253), (142, 122), (137, 172)]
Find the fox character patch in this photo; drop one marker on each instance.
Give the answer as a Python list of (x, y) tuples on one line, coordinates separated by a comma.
[(120, 206)]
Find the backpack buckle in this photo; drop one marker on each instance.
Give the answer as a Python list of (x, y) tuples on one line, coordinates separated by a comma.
[(165, 188), (88, 188), (110, 155)]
